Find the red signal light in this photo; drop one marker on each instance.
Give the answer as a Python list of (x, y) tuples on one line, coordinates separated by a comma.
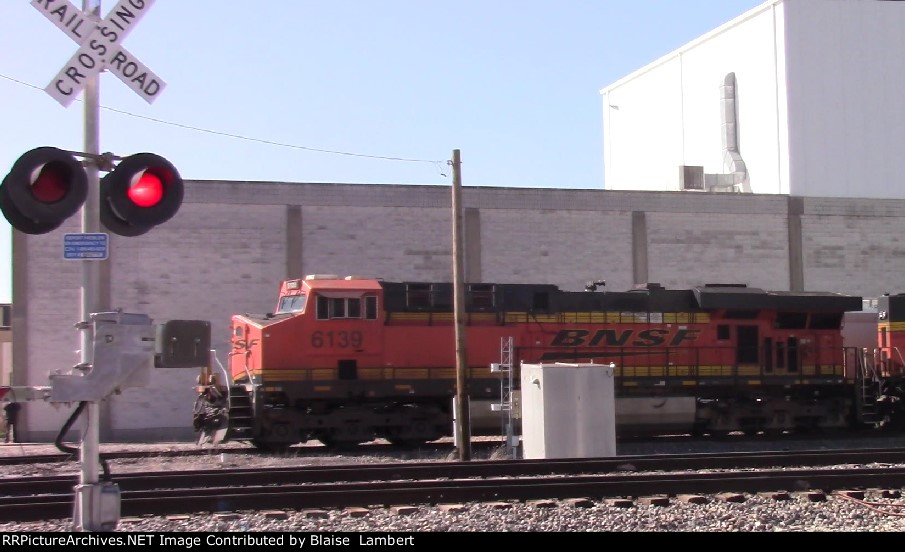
[(18, 220), (143, 191), (147, 191), (51, 183), (45, 187)]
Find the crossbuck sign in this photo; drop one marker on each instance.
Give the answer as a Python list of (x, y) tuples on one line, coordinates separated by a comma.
[(99, 48)]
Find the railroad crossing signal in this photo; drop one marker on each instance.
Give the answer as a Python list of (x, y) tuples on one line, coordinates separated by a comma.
[(48, 185), (45, 187), (144, 190), (99, 49)]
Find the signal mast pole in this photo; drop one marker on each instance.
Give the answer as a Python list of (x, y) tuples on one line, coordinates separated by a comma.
[(144, 181), (463, 424), (90, 291)]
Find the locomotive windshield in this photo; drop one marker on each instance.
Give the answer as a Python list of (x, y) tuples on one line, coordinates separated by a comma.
[(292, 303)]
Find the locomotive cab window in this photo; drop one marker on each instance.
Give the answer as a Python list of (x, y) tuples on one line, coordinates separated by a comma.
[(338, 307), (292, 303), (371, 307), (332, 308), (353, 307)]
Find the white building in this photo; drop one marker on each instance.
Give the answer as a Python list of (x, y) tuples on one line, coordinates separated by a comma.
[(818, 107)]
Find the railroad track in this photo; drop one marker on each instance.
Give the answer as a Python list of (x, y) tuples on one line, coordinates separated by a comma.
[(439, 447), (301, 451), (40, 498), (61, 457)]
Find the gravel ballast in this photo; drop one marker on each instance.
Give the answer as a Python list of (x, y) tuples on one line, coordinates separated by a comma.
[(709, 513)]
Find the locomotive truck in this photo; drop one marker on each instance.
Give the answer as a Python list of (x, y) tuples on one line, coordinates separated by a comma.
[(344, 360)]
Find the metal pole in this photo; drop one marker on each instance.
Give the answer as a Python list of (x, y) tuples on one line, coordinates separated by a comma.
[(463, 424), (90, 290)]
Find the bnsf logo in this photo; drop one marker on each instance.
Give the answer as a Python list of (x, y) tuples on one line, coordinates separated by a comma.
[(612, 338), (244, 344)]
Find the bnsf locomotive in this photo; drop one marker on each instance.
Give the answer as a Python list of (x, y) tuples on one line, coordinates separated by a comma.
[(345, 360)]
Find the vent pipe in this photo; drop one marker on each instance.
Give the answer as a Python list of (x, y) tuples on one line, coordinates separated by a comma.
[(732, 159)]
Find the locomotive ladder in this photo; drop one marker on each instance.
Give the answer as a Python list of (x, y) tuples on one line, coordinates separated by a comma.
[(868, 386), (240, 413), (239, 408)]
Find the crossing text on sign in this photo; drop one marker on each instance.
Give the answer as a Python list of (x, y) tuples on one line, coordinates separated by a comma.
[(99, 48)]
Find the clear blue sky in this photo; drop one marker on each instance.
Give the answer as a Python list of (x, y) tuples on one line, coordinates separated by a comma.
[(513, 84)]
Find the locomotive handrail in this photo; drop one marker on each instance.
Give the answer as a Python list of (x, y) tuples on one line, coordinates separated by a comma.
[(899, 354), (251, 378), (869, 363), (226, 377), (874, 367)]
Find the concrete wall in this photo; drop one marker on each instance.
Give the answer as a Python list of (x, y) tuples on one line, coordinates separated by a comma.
[(231, 243)]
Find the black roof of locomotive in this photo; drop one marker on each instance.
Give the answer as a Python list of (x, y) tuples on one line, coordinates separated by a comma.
[(728, 297), (548, 298), (647, 298)]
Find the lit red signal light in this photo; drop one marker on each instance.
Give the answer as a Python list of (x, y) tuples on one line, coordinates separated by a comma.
[(144, 190), (147, 191)]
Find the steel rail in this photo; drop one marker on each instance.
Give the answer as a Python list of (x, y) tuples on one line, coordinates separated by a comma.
[(384, 493), (137, 481), (300, 452)]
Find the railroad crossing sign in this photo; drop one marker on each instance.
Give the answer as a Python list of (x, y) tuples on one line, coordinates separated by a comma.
[(99, 48)]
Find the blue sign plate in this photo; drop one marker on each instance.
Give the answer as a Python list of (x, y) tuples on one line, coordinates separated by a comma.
[(86, 247)]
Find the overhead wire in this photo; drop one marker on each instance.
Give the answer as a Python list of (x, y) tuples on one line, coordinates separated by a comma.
[(435, 162)]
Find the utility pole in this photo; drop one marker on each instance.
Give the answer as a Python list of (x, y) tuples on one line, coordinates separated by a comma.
[(463, 424)]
